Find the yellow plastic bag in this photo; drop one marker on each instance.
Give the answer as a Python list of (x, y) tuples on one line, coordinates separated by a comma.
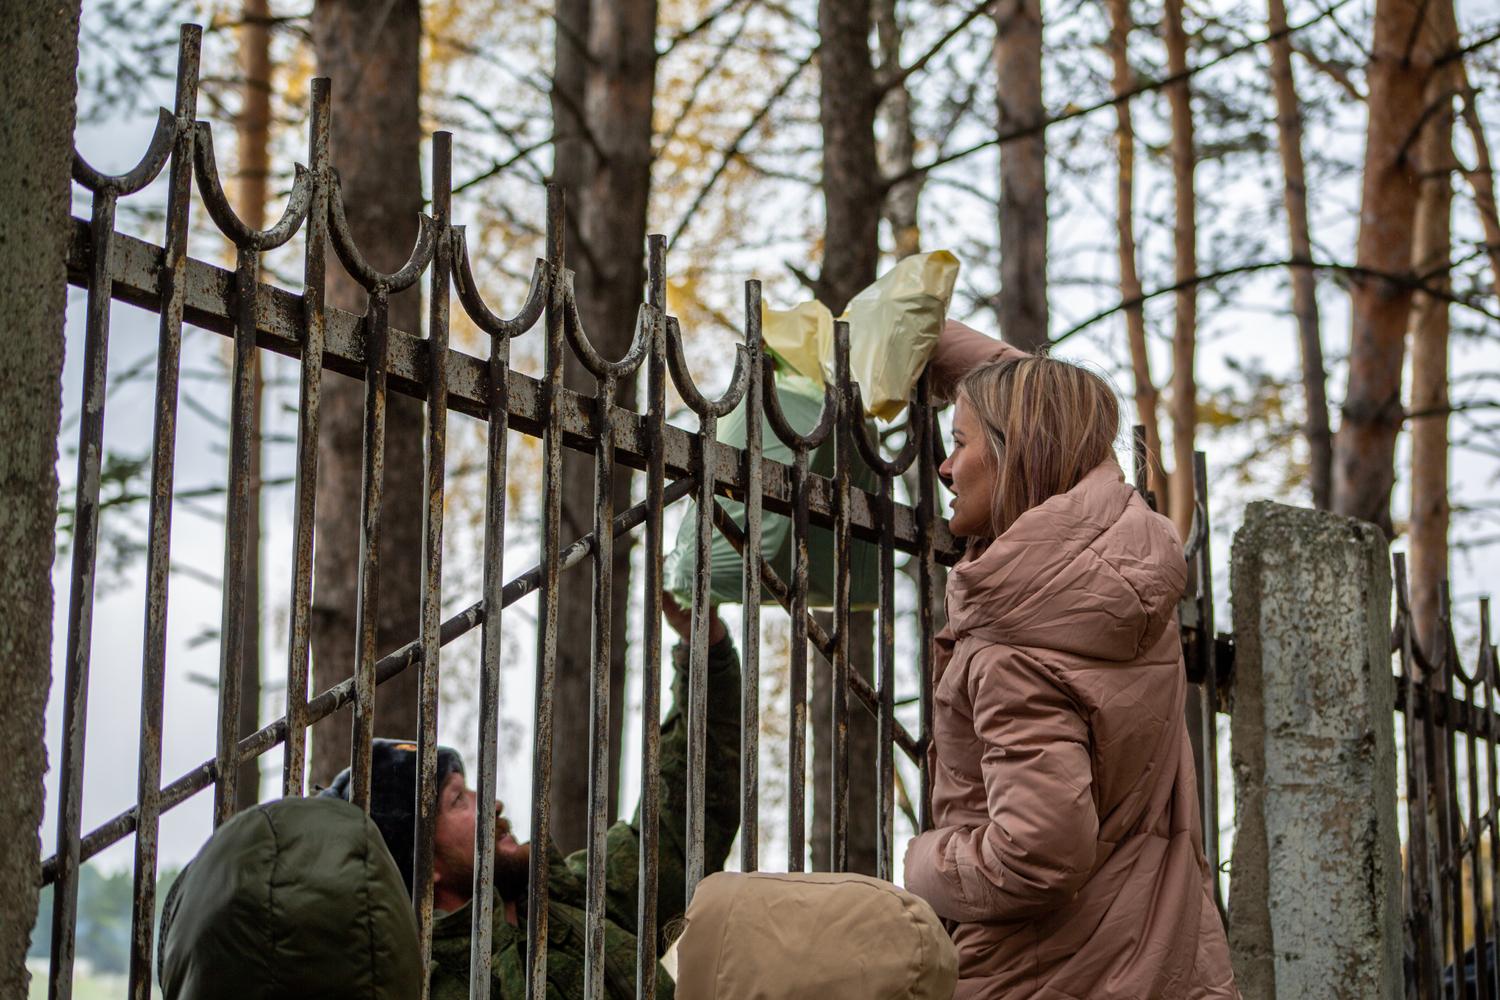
[(893, 329), (801, 336)]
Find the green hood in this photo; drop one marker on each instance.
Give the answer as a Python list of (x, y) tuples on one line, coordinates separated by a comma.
[(292, 899)]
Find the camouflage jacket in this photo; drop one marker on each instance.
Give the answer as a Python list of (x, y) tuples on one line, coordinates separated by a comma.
[(565, 907)]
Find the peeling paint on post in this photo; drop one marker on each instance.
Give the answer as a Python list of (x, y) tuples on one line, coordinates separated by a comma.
[(1315, 902)]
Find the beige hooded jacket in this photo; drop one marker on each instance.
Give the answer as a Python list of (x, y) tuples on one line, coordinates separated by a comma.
[(1067, 852), (811, 936)]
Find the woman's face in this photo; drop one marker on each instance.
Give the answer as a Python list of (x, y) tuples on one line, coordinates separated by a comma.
[(970, 473)]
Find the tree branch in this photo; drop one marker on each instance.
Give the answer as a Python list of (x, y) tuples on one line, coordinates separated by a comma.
[(1143, 88), (709, 69), (1443, 411), (1337, 72), (1403, 280), (734, 147), (702, 24), (886, 84), (500, 166)]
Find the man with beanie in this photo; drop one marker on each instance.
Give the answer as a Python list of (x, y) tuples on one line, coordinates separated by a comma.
[(393, 795)]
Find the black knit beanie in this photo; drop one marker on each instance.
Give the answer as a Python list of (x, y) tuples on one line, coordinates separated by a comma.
[(393, 794)]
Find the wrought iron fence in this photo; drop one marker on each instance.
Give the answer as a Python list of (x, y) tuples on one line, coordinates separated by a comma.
[(675, 464), (1452, 870)]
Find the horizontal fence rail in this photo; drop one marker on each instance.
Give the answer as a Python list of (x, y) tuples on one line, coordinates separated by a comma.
[(676, 464)]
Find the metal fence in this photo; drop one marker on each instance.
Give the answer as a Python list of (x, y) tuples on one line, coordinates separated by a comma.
[(675, 464), (1451, 730)]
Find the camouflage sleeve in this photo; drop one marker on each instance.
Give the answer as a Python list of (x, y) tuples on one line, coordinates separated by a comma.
[(722, 809)]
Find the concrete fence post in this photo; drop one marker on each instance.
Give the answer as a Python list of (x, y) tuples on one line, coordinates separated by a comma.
[(38, 81), (1315, 900)]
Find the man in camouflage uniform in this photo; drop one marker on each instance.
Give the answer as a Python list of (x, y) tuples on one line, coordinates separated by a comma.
[(453, 851)]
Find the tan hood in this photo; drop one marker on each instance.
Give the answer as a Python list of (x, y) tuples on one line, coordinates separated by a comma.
[(1092, 571), (815, 936)]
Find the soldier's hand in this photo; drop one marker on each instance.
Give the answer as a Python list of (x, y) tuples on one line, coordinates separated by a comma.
[(681, 619)]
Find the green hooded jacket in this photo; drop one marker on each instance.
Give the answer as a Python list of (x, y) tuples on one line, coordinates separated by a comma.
[(292, 899), (566, 943)]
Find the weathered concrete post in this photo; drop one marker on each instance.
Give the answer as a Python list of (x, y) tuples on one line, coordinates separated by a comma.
[(37, 87), (1315, 902)]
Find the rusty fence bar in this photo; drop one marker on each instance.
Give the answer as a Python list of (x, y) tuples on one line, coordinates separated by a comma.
[(709, 412), (500, 331), (304, 502), (249, 245), (434, 476), (546, 648), (172, 285), (886, 471), (107, 190), (802, 445), (929, 447), (608, 375), (650, 804), (844, 418), (1197, 614), (751, 587)]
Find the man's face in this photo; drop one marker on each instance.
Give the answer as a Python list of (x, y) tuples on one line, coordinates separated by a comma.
[(453, 845)]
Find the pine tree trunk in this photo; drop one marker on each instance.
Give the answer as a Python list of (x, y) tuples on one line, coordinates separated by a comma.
[(1365, 448), (572, 156), (852, 199), (1304, 279), (852, 192), (1482, 178), (613, 91), (1431, 259), (254, 129), (1145, 393), (897, 152), (375, 67), (1022, 303), (37, 89), (1185, 256)]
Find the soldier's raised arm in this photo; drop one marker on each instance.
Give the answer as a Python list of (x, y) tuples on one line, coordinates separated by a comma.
[(721, 808)]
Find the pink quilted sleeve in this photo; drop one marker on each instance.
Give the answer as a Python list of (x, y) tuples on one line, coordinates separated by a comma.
[(960, 349)]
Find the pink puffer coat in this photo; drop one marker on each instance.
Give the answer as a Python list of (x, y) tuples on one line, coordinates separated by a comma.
[(1067, 853)]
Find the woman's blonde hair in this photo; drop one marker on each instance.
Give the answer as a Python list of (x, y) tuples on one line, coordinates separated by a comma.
[(1047, 424)]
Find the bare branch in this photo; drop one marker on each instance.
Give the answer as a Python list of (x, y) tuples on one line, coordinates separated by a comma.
[(1335, 71), (500, 166), (709, 69), (1443, 411), (886, 84), (702, 24), (734, 147), (1403, 280), (1143, 88)]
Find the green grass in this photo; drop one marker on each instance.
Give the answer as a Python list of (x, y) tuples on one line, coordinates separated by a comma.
[(86, 986)]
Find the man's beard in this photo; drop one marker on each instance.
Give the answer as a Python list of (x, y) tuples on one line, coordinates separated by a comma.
[(512, 872)]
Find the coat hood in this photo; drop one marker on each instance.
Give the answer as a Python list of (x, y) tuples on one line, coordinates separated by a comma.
[(1093, 572), (814, 936), (289, 900)]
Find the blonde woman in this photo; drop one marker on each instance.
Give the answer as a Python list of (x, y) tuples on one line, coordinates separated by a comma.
[(1067, 855)]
